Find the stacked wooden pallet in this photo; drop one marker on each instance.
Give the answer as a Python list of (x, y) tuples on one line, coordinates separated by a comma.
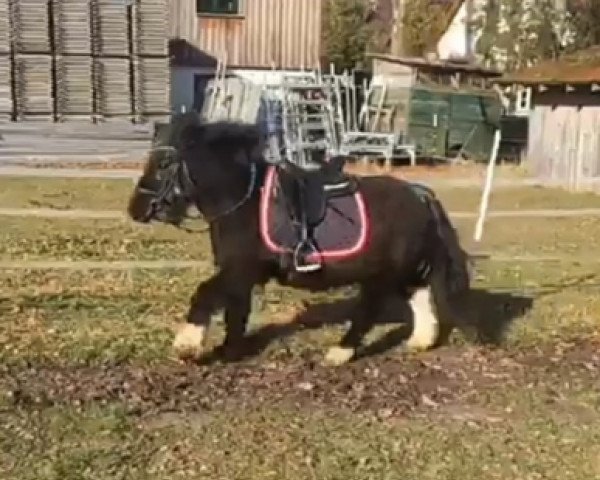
[(29, 20), (112, 86), (110, 28), (151, 64), (5, 88), (4, 28), (72, 27), (73, 58), (150, 28), (74, 91), (73, 48), (29, 26), (33, 85), (152, 86), (111, 50)]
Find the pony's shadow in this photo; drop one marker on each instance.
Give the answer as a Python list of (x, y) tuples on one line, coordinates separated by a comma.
[(313, 317), (486, 318)]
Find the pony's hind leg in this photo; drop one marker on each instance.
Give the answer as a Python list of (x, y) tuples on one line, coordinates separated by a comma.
[(426, 325), (362, 322), (435, 309)]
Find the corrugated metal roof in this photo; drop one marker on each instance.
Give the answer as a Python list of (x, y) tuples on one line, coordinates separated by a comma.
[(579, 67)]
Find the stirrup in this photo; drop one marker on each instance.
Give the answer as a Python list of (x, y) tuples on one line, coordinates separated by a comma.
[(306, 267)]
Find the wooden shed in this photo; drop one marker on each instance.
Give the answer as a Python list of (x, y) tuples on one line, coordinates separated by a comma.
[(443, 108), (563, 99)]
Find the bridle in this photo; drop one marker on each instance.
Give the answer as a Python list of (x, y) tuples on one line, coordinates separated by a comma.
[(176, 182)]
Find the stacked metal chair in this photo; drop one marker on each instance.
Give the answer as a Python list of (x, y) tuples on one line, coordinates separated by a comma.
[(309, 121)]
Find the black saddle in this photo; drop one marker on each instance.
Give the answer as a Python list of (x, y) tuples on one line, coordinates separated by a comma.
[(308, 191)]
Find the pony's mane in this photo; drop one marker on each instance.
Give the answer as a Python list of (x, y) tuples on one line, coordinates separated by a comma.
[(187, 129), (221, 134), (171, 134), (227, 132)]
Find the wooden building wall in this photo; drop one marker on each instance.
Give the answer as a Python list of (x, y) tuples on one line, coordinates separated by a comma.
[(564, 143), (281, 33)]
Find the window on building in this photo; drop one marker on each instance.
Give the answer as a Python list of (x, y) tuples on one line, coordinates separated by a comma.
[(218, 7), (523, 101)]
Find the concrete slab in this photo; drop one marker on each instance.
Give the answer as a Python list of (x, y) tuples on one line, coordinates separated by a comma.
[(25, 143)]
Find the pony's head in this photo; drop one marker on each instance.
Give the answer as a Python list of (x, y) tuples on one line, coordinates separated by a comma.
[(204, 165), (163, 192)]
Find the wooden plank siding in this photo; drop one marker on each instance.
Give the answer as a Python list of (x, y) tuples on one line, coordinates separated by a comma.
[(285, 34), (564, 145)]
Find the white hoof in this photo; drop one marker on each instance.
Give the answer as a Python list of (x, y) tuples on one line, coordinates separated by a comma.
[(337, 356), (426, 327), (189, 341)]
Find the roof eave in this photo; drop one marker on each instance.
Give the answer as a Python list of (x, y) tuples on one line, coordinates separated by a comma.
[(421, 62), (542, 81)]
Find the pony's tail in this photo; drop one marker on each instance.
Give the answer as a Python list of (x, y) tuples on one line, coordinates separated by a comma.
[(457, 259), (454, 258), (449, 279)]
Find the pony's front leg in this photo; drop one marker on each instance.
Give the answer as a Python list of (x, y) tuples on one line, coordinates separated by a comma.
[(189, 341), (371, 298)]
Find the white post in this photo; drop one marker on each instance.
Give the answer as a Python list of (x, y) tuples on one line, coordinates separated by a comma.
[(487, 188)]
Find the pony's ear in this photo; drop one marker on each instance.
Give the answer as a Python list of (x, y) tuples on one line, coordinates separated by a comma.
[(190, 135)]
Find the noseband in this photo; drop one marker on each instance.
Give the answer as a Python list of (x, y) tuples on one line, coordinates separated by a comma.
[(175, 181)]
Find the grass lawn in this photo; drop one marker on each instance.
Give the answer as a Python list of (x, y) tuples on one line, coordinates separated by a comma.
[(89, 388), (64, 193), (112, 194), (31, 238)]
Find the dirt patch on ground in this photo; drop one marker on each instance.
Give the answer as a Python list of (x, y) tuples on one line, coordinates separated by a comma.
[(443, 380)]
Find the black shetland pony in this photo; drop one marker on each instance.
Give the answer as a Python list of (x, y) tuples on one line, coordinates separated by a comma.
[(410, 249)]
